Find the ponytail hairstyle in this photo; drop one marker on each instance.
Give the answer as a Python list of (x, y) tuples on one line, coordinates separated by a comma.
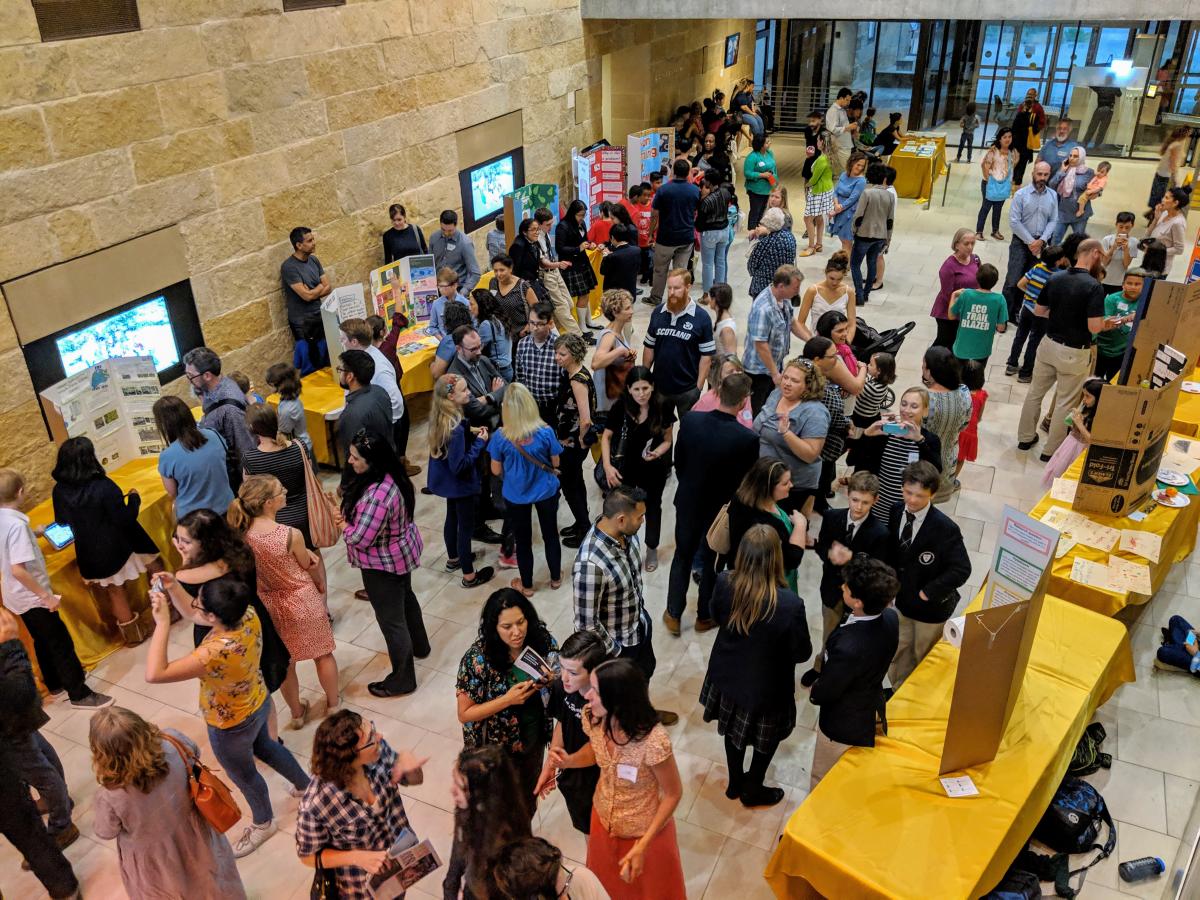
[(254, 494), (444, 415), (839, 262)]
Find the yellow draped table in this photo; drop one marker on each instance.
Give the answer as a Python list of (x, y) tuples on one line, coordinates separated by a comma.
[(879, 824), (1176, 527), (1187, 410), (94, 635), (915, 173)]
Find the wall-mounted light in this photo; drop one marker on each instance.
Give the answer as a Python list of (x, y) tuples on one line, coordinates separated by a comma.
[(1121, 67)]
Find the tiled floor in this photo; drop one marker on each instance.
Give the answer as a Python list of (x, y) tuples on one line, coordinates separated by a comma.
[(1153, 725)]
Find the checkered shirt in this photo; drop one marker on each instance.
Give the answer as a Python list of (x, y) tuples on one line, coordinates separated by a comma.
[(770, 321), (537, 369), (381, 537), (607, 586)]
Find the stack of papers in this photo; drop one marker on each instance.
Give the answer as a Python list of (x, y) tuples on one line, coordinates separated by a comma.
[(1118, 575)]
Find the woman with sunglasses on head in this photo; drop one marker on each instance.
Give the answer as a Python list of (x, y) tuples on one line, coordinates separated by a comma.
[(383, 542), (352, 811), (233, 696), (287, 583)]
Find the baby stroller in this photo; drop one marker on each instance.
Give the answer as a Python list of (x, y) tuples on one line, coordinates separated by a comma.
[(868, 341)]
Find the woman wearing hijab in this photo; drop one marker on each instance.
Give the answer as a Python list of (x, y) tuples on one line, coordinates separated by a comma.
[(1069, 182)]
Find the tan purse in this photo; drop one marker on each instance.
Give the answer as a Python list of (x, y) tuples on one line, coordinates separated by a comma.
[(718, 532)]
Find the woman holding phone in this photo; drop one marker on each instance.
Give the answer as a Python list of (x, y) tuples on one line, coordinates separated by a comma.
[(907, 441)]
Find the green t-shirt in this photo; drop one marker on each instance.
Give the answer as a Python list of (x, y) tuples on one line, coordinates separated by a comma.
[(759, 164), (979, 312), (1113, 343)]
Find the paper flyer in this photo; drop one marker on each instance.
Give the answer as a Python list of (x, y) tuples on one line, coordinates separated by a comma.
[(1023, 552), (532, 664), (408, 861), (1056, 517), (349, 302), (1063, 490), (1093, 574), (1131, 577), (1142, 543)]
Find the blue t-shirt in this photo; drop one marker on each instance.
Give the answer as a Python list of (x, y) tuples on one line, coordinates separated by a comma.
[(445, 349), (523, 481), (200, 475), (676, 202), (678, 343), (437, 324)]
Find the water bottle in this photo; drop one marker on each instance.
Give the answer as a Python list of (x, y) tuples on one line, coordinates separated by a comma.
[(1137, 869)]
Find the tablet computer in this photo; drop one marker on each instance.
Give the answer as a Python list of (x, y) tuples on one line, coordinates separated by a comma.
[(59, 535)]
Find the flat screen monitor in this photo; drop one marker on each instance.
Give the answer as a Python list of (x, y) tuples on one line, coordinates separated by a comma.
[(163, 325), (731, 49), (483, 187)]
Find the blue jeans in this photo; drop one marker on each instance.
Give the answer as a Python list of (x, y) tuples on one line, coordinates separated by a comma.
[(868, 249), (1079, 226), (714, 250), (753, 122), (235, 749), (1174, 653)]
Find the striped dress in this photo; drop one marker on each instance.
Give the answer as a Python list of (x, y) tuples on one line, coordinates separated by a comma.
[(288, 466)]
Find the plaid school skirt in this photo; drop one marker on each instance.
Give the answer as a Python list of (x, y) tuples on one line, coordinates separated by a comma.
[(819, 204), (580, 278), (761, 730)]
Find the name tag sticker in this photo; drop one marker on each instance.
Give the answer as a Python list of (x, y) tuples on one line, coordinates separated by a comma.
[(913, 456), (627, 773)]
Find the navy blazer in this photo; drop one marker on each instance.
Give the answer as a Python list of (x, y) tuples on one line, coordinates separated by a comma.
[(850, 687), (870, 538), (936, 562)]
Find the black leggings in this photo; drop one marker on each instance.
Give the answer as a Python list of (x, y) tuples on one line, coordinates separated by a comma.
[(400, 429), (741, 779), (574, 491), (947, 331), (520, 519), (1024, 158)]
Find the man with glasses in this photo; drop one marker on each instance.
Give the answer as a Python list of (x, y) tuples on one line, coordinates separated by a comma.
[(534, 363), (481, 375), (453, 250), (448, 291), (223, 402)]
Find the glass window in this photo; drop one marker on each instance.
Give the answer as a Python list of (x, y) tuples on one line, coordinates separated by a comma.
[(1113, 44), (1073, 48)]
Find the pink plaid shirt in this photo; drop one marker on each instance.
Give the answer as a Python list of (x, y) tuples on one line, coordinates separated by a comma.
[(381, 536)]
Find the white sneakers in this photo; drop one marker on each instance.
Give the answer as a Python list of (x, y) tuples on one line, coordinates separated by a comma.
[(253, 838)]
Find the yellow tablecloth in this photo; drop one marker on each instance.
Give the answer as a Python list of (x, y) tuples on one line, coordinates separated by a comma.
[(915, 175), (94, 635), (1187, 410), (594, 257), (1176, 526), (879, 824)]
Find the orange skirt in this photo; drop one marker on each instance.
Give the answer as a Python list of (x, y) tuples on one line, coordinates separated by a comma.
[(662, 876)]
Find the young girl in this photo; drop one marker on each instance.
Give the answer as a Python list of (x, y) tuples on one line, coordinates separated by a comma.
[(969, 122), (1079, 421), (876, 396), (286, 381), (724, 325), (454, 449), (1095, 187), (968, 440), (287, 574)]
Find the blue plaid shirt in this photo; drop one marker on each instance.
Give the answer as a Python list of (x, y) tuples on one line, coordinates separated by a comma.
[(770, 321), (537, 369)]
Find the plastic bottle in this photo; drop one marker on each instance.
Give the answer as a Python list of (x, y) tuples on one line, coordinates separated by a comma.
[(1137, 869)]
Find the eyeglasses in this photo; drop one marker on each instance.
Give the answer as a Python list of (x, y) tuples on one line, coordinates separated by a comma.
[(372, 739), (443, 284), (193, 378), (338, 369)]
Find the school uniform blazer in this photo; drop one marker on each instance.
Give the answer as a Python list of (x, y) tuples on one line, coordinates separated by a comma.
[(936, 562), (870, 538), (850, 687)]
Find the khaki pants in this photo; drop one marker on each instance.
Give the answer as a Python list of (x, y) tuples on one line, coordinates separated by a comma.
[(665, 259), (916, 640), (564, 304), (826, 752), (830, 619), (1064, 369)]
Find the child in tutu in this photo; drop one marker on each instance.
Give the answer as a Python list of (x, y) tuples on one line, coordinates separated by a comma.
[(968, 439), (1079, 420)]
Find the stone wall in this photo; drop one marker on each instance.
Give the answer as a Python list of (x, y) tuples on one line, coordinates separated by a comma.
[(237, 121)]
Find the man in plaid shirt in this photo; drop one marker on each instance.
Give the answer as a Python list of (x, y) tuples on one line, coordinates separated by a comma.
[(535, 365), (769, 333)]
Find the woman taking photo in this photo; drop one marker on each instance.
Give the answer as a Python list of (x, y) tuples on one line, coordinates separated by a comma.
[(111, 546), (774, 249), (792, 426), (498, 703), (576, 412), (165, 846), (756, 502), (515, 296), (526, 453), (454, 448), (571, 245), (403, 238), (353, 811), (632, 846), (192, 466), (383, 542), (614, 356), (1170, 157), (898, 450), (751, 680), (289, 587), (818, 204), (996, 185), (233, 697), (833, 292), (959, 271), (761, 175), (635, 450), (1169, 224), (849, 188), (949, 409), (491, 810), (1070, 182), (493, 335)]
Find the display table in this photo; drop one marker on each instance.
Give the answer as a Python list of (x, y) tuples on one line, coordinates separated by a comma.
[(1187, 410), (93, 635), (880, 825), (1177, 527), (915, 174)]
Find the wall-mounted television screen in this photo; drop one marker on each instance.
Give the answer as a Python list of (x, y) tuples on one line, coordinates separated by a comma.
[(163, 325), (731, 49), (483, 187)]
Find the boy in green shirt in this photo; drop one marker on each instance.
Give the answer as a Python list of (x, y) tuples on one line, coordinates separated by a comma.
[(1120, 307), (981, 315)]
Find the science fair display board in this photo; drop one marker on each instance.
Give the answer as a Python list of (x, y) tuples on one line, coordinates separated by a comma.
[(599, 177), (111, 403), (407, 285), (648, 152), (524, 201)]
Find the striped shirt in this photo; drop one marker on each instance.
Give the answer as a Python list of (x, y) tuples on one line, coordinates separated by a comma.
[(898, 453), (382, 537), (835, 438), (288, 466), (1036, 279), (870, 400)]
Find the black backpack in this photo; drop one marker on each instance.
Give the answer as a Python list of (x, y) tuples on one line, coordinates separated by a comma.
[(1017, 885), (1088, 758), (1072, 824)]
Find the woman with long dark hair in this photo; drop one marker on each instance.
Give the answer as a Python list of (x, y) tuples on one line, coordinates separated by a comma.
[(757, 502), (383, 542), (499, 703), (635, 449), (997, 168), (526, 253), (751, 681), (489, 322), (111, 546), (491, 811), (404, 238), (192, 466), (571, 244), (576, 407), (632, 846)]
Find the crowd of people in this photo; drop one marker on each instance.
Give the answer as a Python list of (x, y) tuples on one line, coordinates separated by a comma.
[(529, 407)]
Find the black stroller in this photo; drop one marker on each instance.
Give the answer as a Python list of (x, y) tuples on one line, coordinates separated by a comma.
[(868, 341)]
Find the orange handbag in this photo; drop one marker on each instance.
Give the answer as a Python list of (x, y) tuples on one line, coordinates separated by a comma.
[(213, 798)]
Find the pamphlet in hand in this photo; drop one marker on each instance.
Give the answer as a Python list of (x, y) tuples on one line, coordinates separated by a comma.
[(407, 863), (532, 664)]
